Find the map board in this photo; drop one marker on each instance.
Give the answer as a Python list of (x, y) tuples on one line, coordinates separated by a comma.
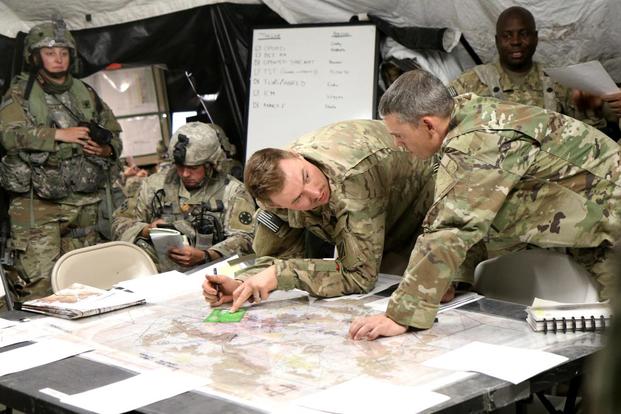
[(305, 77)]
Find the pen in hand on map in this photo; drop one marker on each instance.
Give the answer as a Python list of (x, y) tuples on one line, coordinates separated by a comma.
[(217, 285)]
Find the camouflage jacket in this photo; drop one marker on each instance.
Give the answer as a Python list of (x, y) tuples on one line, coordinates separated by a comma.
[(536, 89), (379, 196), (35, 158), (162, 195), (519, 173)]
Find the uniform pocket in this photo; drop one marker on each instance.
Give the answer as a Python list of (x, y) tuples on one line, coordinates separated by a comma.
[(15, 174), (48, 183), (82, 175)]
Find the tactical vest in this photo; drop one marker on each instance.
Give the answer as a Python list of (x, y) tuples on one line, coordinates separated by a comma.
[(489, 76), (55, 175), (186, 218)]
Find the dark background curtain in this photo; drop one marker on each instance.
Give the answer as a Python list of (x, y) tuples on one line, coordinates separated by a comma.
[(211, 42)]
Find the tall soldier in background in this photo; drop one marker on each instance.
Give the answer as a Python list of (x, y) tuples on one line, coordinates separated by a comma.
[(212, 209), (61, 139)]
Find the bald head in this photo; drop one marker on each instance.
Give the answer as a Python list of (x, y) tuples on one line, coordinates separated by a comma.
[(516, 39), (515, 12)]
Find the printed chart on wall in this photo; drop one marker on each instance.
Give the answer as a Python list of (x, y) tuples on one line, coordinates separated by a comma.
[(305, 77)]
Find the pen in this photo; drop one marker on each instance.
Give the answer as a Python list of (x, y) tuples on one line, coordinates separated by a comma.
[(215, 272)]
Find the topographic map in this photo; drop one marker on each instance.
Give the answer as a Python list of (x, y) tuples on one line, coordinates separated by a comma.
[(285, 350)]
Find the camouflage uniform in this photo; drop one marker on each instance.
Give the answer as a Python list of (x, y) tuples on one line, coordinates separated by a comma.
[(535, 88), (163, 195), (379, 196), (55, 187), (523, 175)]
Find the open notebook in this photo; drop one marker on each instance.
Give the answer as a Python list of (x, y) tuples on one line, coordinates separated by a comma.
[(548, 316)]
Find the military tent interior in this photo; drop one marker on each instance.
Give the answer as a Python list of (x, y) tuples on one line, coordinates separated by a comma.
[(210, 39)]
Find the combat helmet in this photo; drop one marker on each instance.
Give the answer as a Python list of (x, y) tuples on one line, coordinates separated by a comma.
[(196, 143), (229, 149), (54, 34)]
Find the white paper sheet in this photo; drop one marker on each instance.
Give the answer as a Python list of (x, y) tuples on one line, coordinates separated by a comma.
[(460, 300), (589, 77), (507, 363), (366, 395), (163, 286), (12, 336), (221, 268), (5, 323), (40, 353), (379, 305), (384, 281), (137, 391)]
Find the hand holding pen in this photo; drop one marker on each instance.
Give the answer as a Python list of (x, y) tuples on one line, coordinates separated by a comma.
[(218, 289)]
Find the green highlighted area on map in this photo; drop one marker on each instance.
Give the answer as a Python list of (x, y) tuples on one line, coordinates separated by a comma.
[(224, 316)]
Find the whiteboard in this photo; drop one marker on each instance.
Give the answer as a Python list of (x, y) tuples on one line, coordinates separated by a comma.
[(305, 77)]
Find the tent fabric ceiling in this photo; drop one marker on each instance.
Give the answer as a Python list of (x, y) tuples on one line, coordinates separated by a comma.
[(570, 31), (20, 15)]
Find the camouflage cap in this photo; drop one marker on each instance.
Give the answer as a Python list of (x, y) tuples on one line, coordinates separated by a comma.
[(196, 143), (54, 34)]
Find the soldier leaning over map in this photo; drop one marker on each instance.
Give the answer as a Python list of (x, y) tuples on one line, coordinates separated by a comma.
[(515, 173), (348, 184)]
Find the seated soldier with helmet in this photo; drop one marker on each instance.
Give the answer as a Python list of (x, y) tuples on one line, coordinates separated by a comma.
[(212, 209), (61, 140)]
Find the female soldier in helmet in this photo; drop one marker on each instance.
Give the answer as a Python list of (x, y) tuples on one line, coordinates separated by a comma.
[(53, 169)]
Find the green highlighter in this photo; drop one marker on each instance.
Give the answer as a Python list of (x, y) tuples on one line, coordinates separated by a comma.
[(224, 316)]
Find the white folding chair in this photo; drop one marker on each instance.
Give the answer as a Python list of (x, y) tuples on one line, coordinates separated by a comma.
[(519, 277), (101, 265)]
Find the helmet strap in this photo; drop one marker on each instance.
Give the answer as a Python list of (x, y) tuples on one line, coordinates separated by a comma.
[(31, 79), (54, 75)]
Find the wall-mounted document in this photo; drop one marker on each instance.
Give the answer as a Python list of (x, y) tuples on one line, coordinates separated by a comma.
[(305, 77), (588, 77)]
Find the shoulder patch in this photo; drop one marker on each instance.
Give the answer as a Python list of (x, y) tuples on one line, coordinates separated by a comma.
[(245, 217)]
